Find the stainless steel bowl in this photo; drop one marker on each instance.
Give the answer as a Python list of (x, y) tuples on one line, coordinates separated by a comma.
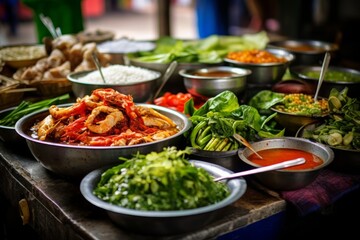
[(165, 222), (209, 82), (292, 122), (345, 160), (75, 161), (306, 52), (8, 134), (328, 84), (227, 159), (175, 83), (140, 91), (265, 73), (288, 179)]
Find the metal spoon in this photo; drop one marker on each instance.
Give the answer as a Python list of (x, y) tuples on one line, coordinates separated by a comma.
[(276, 166), (169, 71), (98, 66), (246, 143), (324, 68)]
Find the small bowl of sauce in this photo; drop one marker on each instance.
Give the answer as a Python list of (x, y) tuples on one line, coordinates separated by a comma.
[(208, 82)]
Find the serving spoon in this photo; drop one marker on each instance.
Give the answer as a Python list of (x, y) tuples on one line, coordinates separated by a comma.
[(98, 66), (169, 71), (324, 68), (285, 164), (243, 141)]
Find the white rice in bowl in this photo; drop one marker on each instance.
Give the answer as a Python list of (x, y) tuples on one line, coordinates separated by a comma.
[(120, 74)]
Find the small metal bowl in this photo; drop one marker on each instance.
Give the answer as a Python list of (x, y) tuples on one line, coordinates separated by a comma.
[(292, 122), (165, 222), (141, 91), (74, 161), (329, 83), (175, 83), (8, 134), (209, 82), (306, 52), (227, 159), (265, 73), (345, 160), (286, 180)]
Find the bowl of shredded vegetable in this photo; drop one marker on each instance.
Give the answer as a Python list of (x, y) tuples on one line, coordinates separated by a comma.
[(164, 203)]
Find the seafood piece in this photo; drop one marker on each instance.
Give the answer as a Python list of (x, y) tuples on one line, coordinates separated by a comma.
[(76, 109), (45, 127), (118, 99), (113, 116), (153, 118)]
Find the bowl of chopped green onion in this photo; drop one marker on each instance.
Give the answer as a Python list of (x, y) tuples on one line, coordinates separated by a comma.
[(162, 193)]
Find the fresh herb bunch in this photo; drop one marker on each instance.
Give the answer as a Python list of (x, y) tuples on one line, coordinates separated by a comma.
[(215, 123), (26, 107), (159, 181)]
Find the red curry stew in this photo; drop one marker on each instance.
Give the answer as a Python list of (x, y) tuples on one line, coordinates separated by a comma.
[(277, 155)]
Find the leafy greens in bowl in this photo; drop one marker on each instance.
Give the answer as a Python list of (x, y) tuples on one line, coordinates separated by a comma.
[(165, 192)]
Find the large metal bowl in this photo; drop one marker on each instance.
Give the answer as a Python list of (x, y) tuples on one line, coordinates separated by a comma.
[(306, 52), (209, 82), (353, 84), (165, 222), (75, 161), (263, 74), (288, 179), (141, 91)]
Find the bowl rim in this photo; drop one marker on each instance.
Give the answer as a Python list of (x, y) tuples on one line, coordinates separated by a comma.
[(280, 44), (290, 57), (238, 72), (237, 185), (22, 120), (299, 115), (74, 78), (302, 140), (6, 111), (298, 71)]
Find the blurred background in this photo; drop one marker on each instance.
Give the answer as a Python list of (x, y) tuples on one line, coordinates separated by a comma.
[(327, 20)]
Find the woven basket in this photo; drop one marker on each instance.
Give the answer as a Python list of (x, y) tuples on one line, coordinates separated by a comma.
[(53, 87)]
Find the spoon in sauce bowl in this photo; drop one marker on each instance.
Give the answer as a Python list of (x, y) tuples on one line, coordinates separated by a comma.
[(285, 164), (324, 68), (243, 141)]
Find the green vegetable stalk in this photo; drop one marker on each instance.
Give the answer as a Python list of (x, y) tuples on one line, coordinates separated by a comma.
[(26, 107)]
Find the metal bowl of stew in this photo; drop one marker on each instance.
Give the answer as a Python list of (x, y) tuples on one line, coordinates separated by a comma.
[(209, 82), (306, 52), (74, 161), (335, 77), (288, 179), (167, 222)]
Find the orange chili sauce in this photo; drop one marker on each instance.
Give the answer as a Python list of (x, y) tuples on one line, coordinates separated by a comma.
[(277, 155)]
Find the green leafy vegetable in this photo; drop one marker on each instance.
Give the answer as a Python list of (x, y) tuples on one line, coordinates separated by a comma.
[(159, 181), (208, 50), (215, 123)]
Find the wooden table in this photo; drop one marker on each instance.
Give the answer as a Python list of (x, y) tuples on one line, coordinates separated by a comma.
[(57, 208)]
